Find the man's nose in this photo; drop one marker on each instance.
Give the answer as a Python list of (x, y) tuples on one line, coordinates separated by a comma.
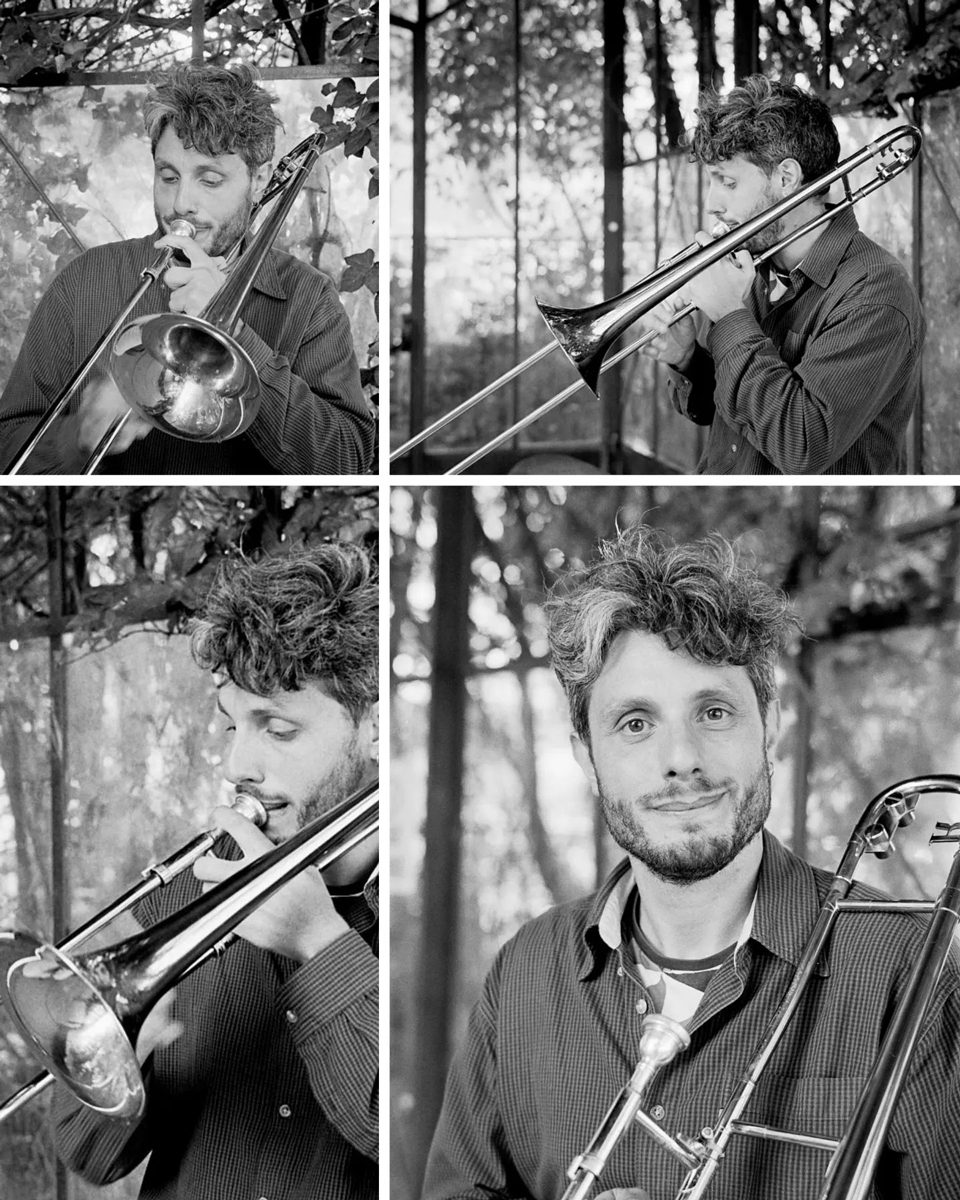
[(680, 752), (185, 201), (242, 762)]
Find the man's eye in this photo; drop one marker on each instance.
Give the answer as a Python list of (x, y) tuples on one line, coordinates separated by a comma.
[(212, 182), (715, 713), (635, 725), (281, 734)]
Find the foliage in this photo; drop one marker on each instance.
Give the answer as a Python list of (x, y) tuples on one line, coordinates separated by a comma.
[(136, 555), (40, 41)]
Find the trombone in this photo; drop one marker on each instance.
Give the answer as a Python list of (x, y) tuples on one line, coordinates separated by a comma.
[(154, 876), (585, 335), (81, 1016), (854, 1158), (187, 376)]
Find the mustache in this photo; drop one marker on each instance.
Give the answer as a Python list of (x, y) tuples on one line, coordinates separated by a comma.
[(676, 789), (261, 795)]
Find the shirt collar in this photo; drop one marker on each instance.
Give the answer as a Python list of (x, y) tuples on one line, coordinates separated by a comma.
[(821, 261), (786, 906)]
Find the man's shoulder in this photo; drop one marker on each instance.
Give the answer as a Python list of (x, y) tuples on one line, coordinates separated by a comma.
[(561, 928), (291, 268), (869, 272), (108, 256)]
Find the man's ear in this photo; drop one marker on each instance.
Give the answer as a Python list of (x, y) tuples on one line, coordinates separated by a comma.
[(790, 176), (372, 718), (771, 725), (581, 752), (261, 177)]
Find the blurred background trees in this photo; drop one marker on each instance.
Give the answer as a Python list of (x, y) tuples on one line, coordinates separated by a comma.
[(110, 748), (491, 820)]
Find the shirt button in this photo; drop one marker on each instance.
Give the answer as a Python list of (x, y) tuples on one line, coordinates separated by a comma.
[(285, 1110), (620, 971), (658, 1112), (733, 448), (641, 1007), (292, 1018)]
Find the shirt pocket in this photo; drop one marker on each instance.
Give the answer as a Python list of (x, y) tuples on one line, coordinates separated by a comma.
[(791, 346), (815, 1105), (818, 1107)]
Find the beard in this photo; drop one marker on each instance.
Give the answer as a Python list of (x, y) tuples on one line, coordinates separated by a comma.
[(224, 235), (342, 782), (772, 233), (698, 855)]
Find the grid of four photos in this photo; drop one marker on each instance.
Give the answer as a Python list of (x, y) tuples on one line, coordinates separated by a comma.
[(669, 903)]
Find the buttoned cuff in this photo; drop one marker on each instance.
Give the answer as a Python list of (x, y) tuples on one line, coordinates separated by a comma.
[(307, 999)]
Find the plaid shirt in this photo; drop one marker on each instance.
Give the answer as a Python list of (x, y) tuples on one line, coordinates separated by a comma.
[(822, 381), (270, 1093), (312, 420), (554, 1038)]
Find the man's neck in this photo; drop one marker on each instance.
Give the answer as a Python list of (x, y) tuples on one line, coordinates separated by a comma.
[(697, 920), (787, 258)]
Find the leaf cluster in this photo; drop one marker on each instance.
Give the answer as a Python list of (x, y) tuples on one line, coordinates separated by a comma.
[(41, 41)]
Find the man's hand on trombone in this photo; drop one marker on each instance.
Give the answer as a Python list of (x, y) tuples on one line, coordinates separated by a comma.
[(298, 920), (675, 339), (192, 287), (720, 289)]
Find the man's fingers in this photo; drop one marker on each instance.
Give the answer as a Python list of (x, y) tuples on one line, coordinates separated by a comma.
[(247, 836)]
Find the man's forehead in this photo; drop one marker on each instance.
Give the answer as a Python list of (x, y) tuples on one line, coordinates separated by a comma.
[(171, 150), (737, 164), (230, 694), (663, 664)]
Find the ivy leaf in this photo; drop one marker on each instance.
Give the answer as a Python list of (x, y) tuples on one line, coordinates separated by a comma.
[(355, 141), (362, 270)]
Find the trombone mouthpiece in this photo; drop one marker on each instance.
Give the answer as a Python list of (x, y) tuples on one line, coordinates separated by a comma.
[(719, 229), (182, 227), (251, 808)]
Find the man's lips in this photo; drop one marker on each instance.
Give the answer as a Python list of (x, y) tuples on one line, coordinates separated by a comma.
[(681, 804)]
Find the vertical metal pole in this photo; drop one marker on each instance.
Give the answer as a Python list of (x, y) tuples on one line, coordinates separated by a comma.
[(517, 116), (746, 38), (826, 44), (614, 86), (915, 448), (436, 967), (806, 670), (657, 231), (57, 671), (197, 19), (418, 261)]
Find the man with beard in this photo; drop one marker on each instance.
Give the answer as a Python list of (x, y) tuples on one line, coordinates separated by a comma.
[(811, 364), (262, 1070), (667, 656), (212, 132)]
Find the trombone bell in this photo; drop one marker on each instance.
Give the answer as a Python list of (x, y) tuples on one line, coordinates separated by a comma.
[(186, 376), (74, 1027)]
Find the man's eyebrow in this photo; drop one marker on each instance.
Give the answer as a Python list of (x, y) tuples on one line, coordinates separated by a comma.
[(263, 712), (205, 164)]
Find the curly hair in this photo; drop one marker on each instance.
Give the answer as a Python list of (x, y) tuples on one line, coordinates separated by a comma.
[(305, 617), (215, 110), (766, 121), (697, 596)]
